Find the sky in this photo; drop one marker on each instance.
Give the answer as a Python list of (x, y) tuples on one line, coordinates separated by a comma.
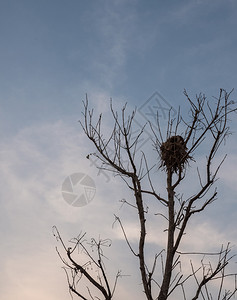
[(53, 53)]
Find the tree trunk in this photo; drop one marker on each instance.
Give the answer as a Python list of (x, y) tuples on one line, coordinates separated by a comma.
[(170, 243), (139, 202)]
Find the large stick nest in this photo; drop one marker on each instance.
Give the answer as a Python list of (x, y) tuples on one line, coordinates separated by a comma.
[(174, 154)]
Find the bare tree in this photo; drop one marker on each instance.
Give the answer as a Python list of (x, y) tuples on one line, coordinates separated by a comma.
[(176, 149)]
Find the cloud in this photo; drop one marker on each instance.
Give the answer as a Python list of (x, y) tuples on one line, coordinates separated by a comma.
[(34, 164)]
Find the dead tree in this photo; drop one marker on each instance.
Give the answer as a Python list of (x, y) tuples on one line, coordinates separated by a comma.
[(176, 150)]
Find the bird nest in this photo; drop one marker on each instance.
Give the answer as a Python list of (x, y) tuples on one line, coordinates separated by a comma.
[(174, 154)]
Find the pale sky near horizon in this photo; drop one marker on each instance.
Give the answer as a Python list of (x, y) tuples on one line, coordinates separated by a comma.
[(54, 52)]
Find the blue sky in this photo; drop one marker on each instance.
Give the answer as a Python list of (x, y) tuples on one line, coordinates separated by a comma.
[(54, 52)]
